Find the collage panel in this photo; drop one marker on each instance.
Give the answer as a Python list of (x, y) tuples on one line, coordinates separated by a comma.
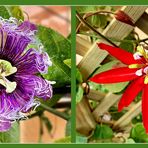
[(73, 74), (35, 74), (111, 59)]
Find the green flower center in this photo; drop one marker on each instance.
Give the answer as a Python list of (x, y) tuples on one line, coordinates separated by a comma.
[(6, 69)]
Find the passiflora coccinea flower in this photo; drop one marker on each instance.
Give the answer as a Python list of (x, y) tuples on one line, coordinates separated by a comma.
[(135, 71), (19, 66)]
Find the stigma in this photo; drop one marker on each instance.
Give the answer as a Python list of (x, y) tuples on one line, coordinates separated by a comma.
[(6, 69)]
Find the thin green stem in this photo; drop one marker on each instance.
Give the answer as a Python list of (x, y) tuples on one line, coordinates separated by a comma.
[(93, 29), (113, 39), (55, 112)]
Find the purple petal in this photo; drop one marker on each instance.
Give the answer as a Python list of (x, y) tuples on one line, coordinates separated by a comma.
[(12, 25), (33, 62), (40, 87)]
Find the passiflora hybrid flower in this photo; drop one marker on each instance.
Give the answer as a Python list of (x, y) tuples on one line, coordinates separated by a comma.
[(136, 70), (19, 66)]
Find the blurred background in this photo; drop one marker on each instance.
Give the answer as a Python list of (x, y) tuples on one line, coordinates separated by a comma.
[(57, 18)]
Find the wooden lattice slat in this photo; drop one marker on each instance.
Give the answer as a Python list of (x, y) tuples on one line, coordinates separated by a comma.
[(82, 45), (126, 118), (109, 100)]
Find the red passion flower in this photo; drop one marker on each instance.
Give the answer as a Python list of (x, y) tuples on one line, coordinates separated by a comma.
[(135, 71)]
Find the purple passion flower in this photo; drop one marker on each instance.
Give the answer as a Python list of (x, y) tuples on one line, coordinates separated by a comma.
[(19, 66)]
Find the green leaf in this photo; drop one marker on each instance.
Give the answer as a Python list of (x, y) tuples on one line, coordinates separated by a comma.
[(130, 140), (64, 140), (12, 136), (138, 133), (4, 12), (98, 21), (47, 123), (96, 86), (58, 49), (79, 78), (102, 132), (81, 139), (68, 62), (130, 45), (79, 94), (87, 9), (11, 11), (16, 12), (114, 87)]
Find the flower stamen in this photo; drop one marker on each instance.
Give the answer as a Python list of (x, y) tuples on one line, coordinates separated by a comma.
[(6, 69)]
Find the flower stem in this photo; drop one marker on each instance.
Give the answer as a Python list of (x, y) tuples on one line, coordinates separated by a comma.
[(57, 113), (93, 29)]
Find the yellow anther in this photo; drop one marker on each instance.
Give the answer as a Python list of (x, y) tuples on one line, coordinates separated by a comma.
[(136, 66), (146, 80)]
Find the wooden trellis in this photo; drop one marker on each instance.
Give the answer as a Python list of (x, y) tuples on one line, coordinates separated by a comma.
[(92, 58)]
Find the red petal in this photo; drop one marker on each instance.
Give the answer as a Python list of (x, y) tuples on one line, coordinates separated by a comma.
[(115, 75), (131, 92), (145, 107), (122, 55)]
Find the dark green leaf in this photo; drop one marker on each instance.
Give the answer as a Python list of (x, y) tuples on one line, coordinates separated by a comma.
[(4, 12), (58, 49), (102, 132), (12, 136), (138, 133), (130, 45)]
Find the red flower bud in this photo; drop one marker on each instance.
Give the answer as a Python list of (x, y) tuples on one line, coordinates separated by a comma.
[(123, 17)]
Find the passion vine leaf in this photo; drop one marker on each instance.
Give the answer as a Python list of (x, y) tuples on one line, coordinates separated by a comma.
[(16, 12), (138, 133), (12, 136), (98, 21), (87, 9), (59, 49), (64, 140), (4, 12), (11, 11), (79, 94), (102, 132)]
